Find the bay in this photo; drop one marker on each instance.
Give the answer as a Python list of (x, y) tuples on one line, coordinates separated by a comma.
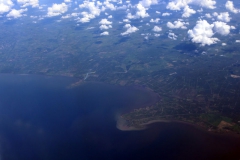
[(42, 117)]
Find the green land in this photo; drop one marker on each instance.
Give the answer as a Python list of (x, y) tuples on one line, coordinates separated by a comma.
[(197, 84)]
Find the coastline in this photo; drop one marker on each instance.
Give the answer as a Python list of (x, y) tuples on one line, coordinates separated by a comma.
[(122, 126)]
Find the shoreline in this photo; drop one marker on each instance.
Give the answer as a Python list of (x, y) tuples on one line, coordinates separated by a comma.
[(123, 127)]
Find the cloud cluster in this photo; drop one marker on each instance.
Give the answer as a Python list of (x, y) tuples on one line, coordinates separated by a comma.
[(130, 29), (179, 4), (157, 29), (57, 9), (172, 36), (187, 12), (104, 33), (25, 3), (230, 6), (166, 14), (141, 9), (105, 22), (221, 28), (94, 11), (140, 13), (155, 20), (203, 31), (224, 16), (5, 6), (177, 24), (16, 13)]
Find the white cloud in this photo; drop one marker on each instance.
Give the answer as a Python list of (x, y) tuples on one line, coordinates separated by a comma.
[(230, 6), (25, 3), (109, 5), (177, 24), (93, 11), (148, 3), (141, 9), (210, 4), (237, 41), (158, 12), (5, 6), (179, 4), (155, 20), (202, 33), (105, 21), (67, 1), (224, 17), (110, 16), (156, 34), (172, 36), (224, 44), (187, 12), (103, 26), (208, 15), (221, 28), (57, 9), (166, 14), (16, 13), (104, 33), (141, 13), (157, 29), (130, 29), (126, 20)]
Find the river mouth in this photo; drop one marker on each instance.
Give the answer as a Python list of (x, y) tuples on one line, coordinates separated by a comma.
[(41, 118)]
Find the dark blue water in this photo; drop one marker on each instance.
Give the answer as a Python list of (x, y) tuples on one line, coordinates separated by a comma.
[(41, 118)]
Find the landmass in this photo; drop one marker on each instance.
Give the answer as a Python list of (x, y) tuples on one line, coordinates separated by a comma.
[(197, 84)]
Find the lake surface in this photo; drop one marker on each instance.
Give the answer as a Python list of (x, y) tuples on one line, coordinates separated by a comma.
[(41, 118)]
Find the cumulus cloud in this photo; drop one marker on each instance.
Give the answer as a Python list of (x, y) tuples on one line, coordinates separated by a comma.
[(223, 16), (16, 13), (166, 14), (230, 6), (156, 34), (57, 9), (141, 9), (179, 4), (103, 26), (104, 33), (105, 21), (208, 15), (130, 29), (126, 20), (155, 20), (148, 3), (25, 3), (109, 5), (157, 29), (202, 33), (177, 24), (221, 28), (5, 6), (94, 11), (140, 13), (187, 12), (172, 36)]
